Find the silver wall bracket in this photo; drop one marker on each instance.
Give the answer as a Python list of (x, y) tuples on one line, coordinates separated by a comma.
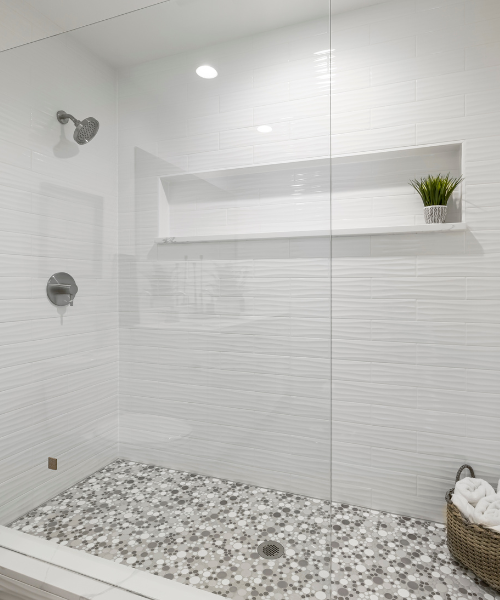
[(61, 289)]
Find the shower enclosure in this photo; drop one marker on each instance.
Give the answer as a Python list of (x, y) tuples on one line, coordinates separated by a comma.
[(202, 259), (269, 345)]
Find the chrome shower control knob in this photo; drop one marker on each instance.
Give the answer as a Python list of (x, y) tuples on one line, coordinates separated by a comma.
[(61, 289)]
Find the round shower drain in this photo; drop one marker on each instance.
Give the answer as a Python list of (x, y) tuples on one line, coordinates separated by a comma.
[(270, 550)]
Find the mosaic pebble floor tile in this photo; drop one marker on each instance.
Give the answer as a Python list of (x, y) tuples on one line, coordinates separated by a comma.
[(204, 532)]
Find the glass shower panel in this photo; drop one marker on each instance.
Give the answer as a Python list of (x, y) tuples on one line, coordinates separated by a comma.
[(406, 336), (225, 298), (217, 472), (59, 208)]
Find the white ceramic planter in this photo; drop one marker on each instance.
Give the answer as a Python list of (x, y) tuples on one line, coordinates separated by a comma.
[(435, 214)]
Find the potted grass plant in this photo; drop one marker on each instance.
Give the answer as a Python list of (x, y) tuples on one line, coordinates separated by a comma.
[(435, 192)]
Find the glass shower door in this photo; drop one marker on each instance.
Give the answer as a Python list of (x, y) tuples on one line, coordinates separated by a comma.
[(220, 475), (225, 320)]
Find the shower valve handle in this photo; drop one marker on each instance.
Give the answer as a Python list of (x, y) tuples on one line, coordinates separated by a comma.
[(61, 289)]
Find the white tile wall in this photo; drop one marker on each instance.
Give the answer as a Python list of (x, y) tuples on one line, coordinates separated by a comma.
[(58, 212), (235, 335)]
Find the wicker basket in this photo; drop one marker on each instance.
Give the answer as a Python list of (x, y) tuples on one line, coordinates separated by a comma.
[(475, 547)]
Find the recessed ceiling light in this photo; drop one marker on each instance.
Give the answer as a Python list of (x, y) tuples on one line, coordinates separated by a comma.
[(264, 129), (206, 72)]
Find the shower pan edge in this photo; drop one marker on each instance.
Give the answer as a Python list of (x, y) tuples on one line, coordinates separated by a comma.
[(42, 566)]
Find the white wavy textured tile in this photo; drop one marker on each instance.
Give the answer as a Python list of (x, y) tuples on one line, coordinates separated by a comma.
[(188, 145), (368, 393), (418, 112), (371, 435), (482, 427), (444, 38), (372, 14), (428, 508), (419, 287), (457, 129), (349, 370), (315, 482), (408, 462), (482, 102), (176, 420), (482, 265), (270, 94), (58, 426), (463, 449), (440, 63), (220, 122), (395, 72), (289, 111), (363, 350), (482, 56), (100, 433), (461, 82), (483, 218), (479, 311), (486, 288), (40, 476), (36, 496), (484, 194), (484, 10), (419, 331), (353, 493), (418, 420), (353, 412), (374, 267), (484, 171), (418, 375), (246, 457), (310, 147), (433, 487), (374, 139), (384, 309), (483, 334), (220, 159), (262, 348), (400, 483), (482, 381), (312, 408), (250, 136)]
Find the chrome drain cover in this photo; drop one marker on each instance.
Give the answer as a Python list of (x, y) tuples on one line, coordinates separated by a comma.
[(270, 550)]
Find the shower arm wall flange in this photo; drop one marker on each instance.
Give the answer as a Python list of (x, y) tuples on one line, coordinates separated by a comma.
[(63, 117)]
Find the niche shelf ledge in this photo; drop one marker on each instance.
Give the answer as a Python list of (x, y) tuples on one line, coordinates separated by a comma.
[(390, 230)]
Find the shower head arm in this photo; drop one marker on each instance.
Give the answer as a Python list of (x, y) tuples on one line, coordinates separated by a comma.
[(63, 118)]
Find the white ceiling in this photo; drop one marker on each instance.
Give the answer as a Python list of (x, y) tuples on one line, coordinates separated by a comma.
[(175, 26), (70, 14)]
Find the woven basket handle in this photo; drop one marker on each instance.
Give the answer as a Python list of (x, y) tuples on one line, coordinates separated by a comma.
[(471, 470)]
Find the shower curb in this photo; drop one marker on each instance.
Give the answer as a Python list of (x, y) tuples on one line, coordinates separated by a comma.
[(33, 568)]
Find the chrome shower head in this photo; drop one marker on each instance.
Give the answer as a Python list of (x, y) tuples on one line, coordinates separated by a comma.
[(85, 130)]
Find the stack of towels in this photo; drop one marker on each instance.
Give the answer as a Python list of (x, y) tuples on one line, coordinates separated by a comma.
[(477, 501)]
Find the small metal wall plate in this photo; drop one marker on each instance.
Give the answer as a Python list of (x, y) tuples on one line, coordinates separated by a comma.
[(61, 289), (53, 464)]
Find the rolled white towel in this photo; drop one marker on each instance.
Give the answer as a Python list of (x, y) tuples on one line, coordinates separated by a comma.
[(487, 512), (463, 506), (473, 489)]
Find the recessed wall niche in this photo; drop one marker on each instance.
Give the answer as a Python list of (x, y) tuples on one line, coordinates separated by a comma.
[(357, 191)]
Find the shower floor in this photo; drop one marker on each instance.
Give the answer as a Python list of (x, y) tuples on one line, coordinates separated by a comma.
[(204, 532)]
